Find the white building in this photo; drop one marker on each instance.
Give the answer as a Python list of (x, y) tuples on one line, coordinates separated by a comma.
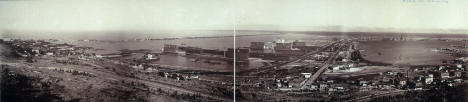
[(49, 54), (429, 80), (306, 75)]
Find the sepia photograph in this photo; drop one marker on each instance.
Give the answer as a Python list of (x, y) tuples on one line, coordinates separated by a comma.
[(233, 51)]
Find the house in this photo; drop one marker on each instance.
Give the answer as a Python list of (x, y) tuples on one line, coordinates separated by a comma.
[(402, 83), (456, 74), (363, 83), (49, 53), (428, 80), (419, 84), (35, 51), (431, 75), (458, 80), (445, 75), (459, 66), (306, 75), (99, 56), (323, 87), (313, 87), (279, 85), (386, 79)]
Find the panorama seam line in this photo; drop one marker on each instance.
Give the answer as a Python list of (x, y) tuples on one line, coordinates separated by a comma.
[(234, 38)]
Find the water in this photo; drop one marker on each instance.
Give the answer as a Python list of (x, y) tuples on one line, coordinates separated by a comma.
[(405, 52), (157, 45), (112, 35), (219, 43), (310, 39), (398, 53), (112, 42)]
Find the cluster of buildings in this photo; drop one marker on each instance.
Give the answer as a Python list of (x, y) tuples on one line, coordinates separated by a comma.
[(400, 37), (415, 78), (457, 52), (242, 54), (348, 56), (279, 50), (29, 48), (449, 75), (177, 76)]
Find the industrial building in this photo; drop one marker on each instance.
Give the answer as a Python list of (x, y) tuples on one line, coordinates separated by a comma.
[(242, 54), (170, 48), (195, 50), (298, 44), (192, 50), (280, 50), (283, 46), (287, 49), (257, 47)]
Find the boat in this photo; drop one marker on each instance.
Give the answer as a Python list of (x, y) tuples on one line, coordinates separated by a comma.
[(21, 54)]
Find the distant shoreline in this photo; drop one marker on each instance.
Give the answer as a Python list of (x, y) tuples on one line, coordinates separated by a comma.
[(176, 38)]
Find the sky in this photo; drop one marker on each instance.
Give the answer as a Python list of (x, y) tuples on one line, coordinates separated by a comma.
[(115, 14), (302, 15), (349, 14)]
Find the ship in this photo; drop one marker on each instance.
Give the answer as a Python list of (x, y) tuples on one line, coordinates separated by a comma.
[(20, 54)]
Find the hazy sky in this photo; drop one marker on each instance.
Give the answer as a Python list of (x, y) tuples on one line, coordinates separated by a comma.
[(301, 14), (219, 14), (116, 14)]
